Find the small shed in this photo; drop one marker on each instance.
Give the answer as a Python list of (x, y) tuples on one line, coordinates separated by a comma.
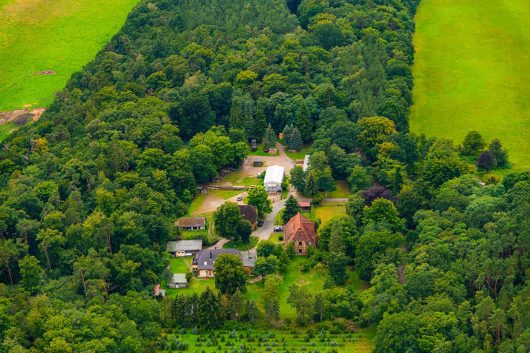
[(273, 178), (249, 260), (177, 280), (184, 247), (250, 213), (191, 223), (305, 205)]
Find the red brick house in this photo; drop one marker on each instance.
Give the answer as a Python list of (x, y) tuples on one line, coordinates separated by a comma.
[(300, 231)]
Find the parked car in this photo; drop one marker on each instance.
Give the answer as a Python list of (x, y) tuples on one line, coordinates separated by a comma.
[(260, 223), (278, 229), (239, 198)]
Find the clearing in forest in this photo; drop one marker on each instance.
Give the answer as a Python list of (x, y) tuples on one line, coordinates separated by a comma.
[(42, 42), (472, 70)]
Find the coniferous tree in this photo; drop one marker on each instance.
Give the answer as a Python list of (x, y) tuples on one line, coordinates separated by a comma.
[(252, 311), (271, 300), (295, 141), (290, 210), (287, 133), (209, 313), (269, 138)]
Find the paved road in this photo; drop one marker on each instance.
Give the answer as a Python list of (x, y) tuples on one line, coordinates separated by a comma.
[(264, 232), (219, 244)]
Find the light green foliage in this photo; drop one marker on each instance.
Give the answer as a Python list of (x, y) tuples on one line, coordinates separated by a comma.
[(259, 197), (462, 78), (271, 300)]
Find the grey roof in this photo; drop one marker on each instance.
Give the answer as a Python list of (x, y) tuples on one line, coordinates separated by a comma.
[(249, 258), (184, 245), (178, 278), (206, 258)]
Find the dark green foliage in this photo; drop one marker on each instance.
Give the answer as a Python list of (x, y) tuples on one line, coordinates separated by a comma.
[(500, 156), (230, 275), (291, 209), (473, 144), (269, 138), (227, 220), (88, 194)]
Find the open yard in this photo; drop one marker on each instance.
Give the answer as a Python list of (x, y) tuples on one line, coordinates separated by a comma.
[(57, 36), (471, 72), (266, 340), (325, 212)]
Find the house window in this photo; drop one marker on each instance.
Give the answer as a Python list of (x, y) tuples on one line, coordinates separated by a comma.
[(299, 251), (299, 243)]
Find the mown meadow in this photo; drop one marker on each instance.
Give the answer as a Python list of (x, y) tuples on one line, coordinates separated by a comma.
[(56, 35), (471, 72)]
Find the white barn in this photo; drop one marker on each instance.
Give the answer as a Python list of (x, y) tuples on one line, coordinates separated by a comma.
[(273, 178)]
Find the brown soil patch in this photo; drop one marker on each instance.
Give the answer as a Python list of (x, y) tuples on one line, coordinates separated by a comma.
[(10, 116), (46, 72)]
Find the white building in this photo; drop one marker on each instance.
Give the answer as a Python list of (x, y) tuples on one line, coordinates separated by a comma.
[(306, 163), (273, 178)]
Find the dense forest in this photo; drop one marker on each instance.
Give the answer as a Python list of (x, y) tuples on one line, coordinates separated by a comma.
[(89, 193)]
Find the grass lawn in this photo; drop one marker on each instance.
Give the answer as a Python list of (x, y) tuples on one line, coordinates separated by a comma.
[(197, 285), (58, 35), (180, 264), (225, 194), (260, 152), (342, 191), (259, 340), (299, 155), (240, 178), (196, 203), (5, 129), (242, 246), (325, 212), (471, 72), (277, 237)]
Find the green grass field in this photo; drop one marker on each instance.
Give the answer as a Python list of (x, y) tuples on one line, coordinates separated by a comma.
[(471, 72), (58, 35)]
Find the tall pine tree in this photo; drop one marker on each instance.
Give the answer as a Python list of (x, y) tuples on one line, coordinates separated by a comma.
[(269, 138)]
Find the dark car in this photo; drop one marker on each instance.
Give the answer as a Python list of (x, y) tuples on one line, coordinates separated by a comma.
[(278, 229), (260, 223)]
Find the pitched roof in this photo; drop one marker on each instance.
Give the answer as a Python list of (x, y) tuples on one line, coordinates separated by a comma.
[(274, 174), (304, 203), (249, 212), (300, 228), (206, 258), (189, 222), (184, 245)]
